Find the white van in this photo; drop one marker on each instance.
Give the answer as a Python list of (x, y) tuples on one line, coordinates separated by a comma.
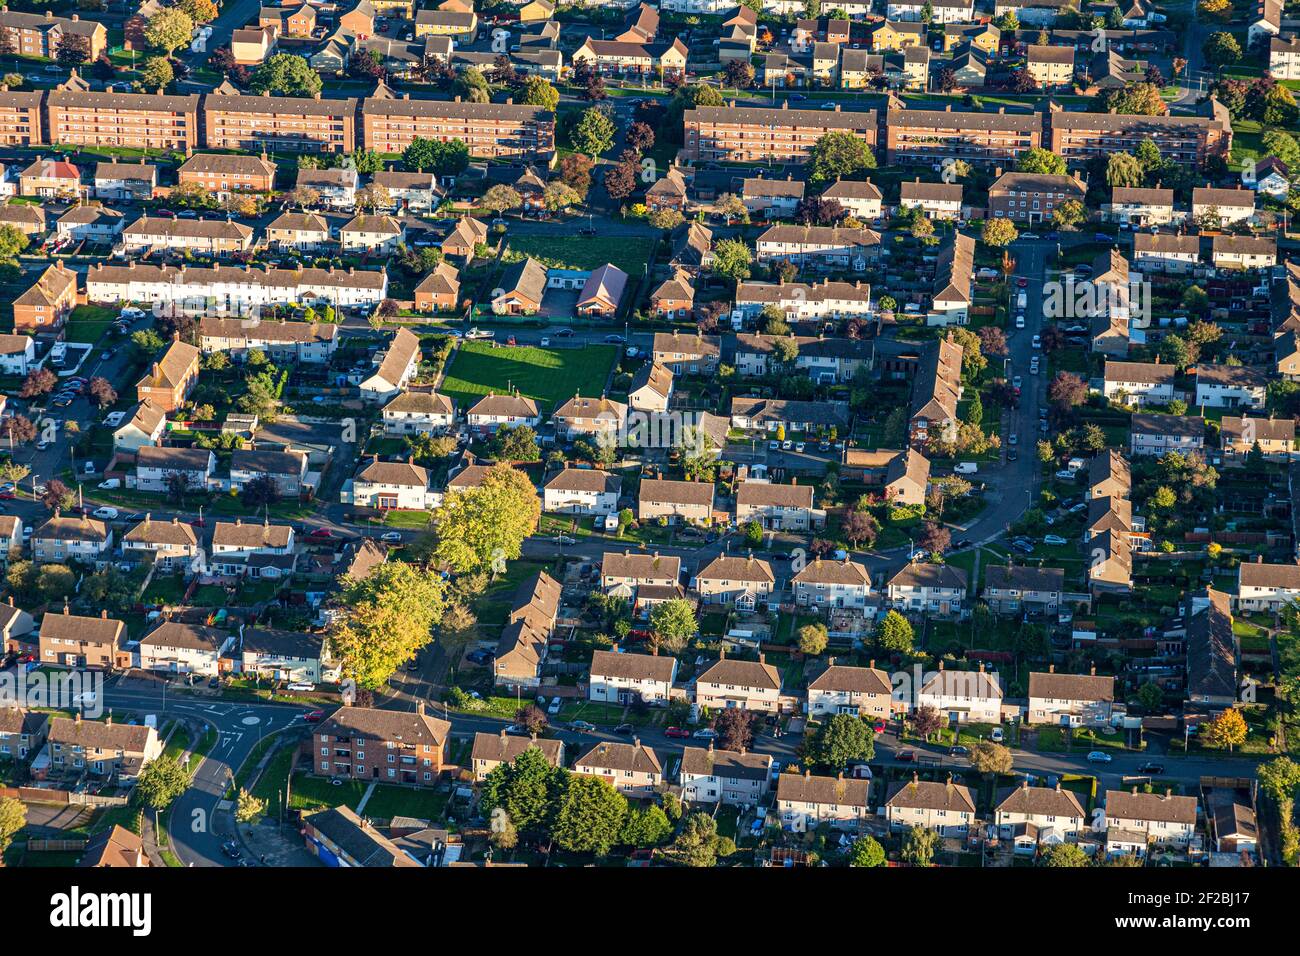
[(1022, 302), (301, 685), (966, 468)]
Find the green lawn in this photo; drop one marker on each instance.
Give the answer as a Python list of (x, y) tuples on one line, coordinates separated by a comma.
[(580, 252), (88, 323), (549, 375)]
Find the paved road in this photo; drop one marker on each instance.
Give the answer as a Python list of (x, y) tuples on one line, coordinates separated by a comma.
[(197, 827)]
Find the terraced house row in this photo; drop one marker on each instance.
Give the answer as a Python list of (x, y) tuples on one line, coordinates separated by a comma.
[(73, 116), (763, 134)]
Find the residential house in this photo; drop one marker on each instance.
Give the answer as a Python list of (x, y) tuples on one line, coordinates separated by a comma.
[(169, 545), (832, 585), (1023, 590), (46, 304), (298, 231), (292, 656), (1274, 437), (839, 689), (492, 750), (71, 640), (256, 549), (142, 425), (774, 506), (674, 501), (935, 200), (963, 696), (1216, 208), (394, 367), (631, 769), (521, 651), (651, 388), (132, 182), (948, 808), (388, 746), (389, 485), (617, 677), (744, 582), (687, 354), (1230, 386), (1157, 818), (734, 684), (1030, 817), (1070, 700), (287, 470), (1244, 252), (584, 491), (439, 291), (1213, 653), (730, 777), (419, 413), (170, 378), (928, 588), (108, 750), (805, 802), (492, 411), (62, 539), (522, 288), (1158, 434), (1139, 383), (156, 469), (178, 648)]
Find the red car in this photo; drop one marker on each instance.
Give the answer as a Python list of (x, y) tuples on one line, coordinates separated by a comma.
[(7, 496), (1022, 282), (321, 533), (315, 717), (906, 756), (676, 732)]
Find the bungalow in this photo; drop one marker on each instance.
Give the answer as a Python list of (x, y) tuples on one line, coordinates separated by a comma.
[(832, 585), (492, 411), (631, 769), (621, 678), (840, 689), (602, 292), (492, 750), (947, 808), (583, 491), (1023, 590), (730, 579), (177, 648), (675, 501), (774, 506), (60, 540), (772, 415), (419, 413), (1069, 699), (522, 288), (743, 685), (932, 588), (804, 802), (736, 778), (1158, 434)]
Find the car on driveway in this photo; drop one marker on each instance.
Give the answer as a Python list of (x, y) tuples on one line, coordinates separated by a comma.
[(1099, 756), (677, 732), (479, 656)]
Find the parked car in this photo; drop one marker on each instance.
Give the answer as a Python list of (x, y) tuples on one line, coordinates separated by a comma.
[(677, 732), (391, 536), (106, 514), (996, 735), (623, 730), (1151, 767), (1099, 756), (1053, 539), (906, 756), (582, 726), (314, 716), (479, 657), (322, 534), (705, 733), (555, 706)]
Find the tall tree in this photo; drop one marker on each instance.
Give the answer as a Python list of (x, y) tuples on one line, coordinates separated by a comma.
[(479, 529), (589, 815), (388, 616)]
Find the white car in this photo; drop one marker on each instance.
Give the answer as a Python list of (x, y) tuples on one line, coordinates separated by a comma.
[(106, 514), (705, 733), (114, 419), (1016, 380), (1053, 539), (391, 536), (1020, 321), (1038, 342)]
